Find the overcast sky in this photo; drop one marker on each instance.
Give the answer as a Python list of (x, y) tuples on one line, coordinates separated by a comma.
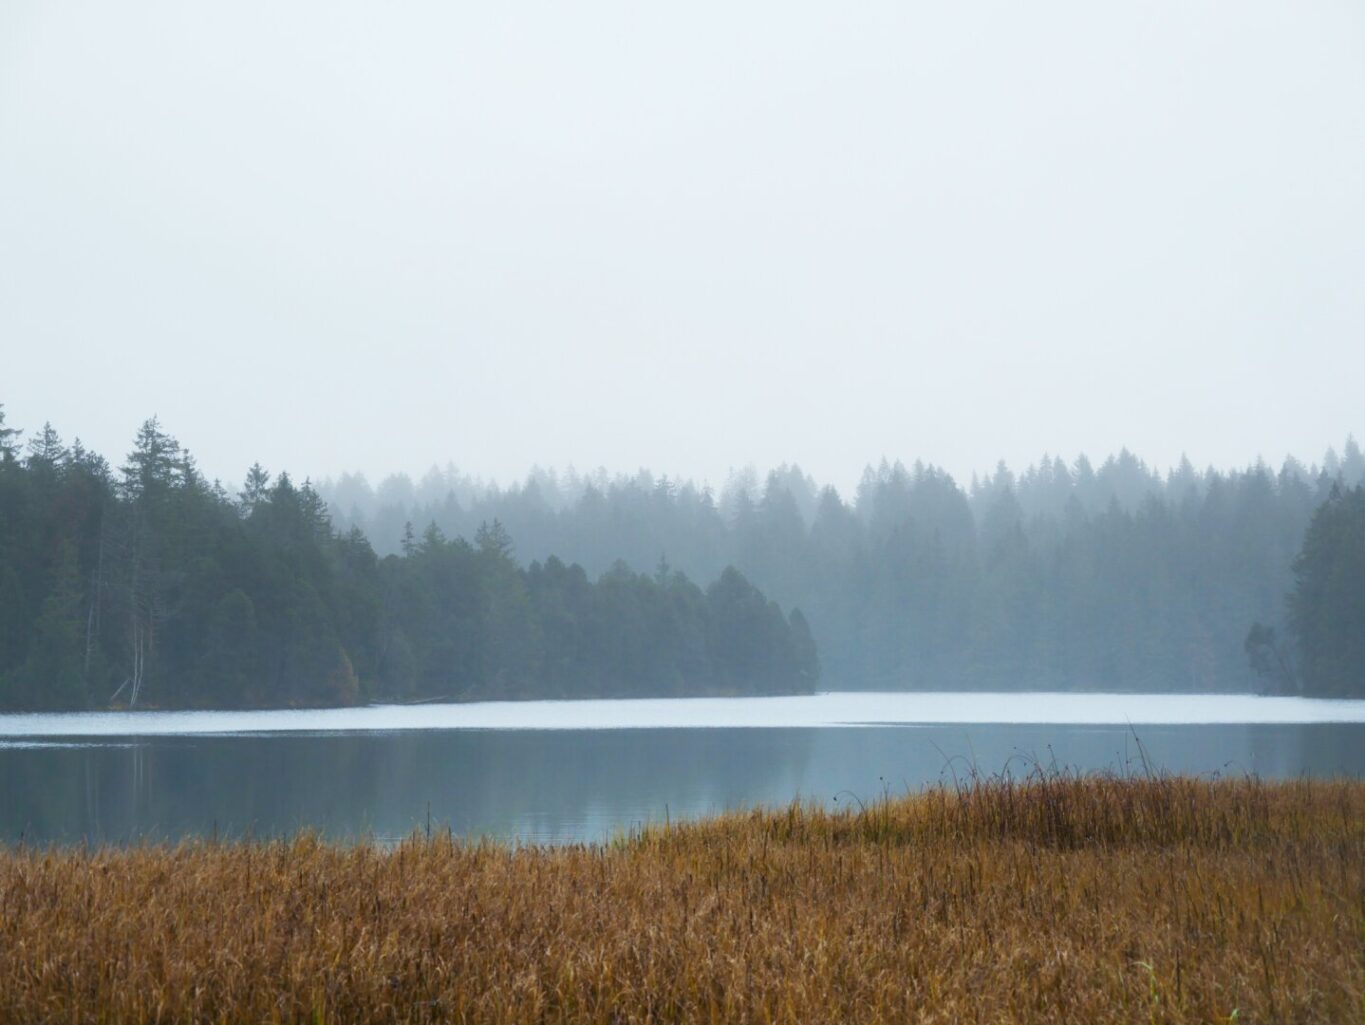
[(689, 236)]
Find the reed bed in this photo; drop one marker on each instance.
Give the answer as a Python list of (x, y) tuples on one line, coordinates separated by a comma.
[(1053, 899)]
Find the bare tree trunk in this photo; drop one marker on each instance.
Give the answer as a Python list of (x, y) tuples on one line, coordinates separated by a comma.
[(138, 660)]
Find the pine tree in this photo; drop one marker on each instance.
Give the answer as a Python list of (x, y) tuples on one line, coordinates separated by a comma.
[(1327, 606), (494, 540), (154, 464), (9, 439), (256, 488), (316, 519), (46, 453)]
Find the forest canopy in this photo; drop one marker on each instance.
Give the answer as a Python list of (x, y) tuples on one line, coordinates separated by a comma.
[(151, 586)]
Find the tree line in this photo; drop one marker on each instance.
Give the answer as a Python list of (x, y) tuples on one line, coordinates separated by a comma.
[(1068, 575), (1326, 608), (151, 586)]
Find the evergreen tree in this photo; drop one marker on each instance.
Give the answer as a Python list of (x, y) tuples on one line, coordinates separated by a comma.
[(1327, 606), (14, 626), (46, 453), (9, 439), (53, 674), (255, 489), (154, 463), (1116, 578), (229, 670)]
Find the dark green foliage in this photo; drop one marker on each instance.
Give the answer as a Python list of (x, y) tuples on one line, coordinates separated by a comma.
[(1327, 606), (53, 674), (13, 618), (154, 589), (744, 628), (9, 440), (229, 663)]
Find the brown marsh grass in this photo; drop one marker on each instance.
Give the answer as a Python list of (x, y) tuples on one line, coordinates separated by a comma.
[(1050, 900)]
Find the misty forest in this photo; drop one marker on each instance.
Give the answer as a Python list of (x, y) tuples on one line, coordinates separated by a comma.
[(150, 586), (1065, 576)]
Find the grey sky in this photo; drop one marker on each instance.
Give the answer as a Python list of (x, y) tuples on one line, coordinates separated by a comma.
[(375, 236)]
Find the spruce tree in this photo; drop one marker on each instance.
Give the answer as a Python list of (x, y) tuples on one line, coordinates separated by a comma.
[(9, 439), (54, 672), (1327, 606)]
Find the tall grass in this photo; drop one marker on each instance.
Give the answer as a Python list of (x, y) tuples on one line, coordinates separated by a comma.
[(1053, 899)]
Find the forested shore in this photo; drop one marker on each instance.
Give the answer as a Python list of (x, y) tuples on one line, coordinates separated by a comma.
[(1067, 575), (151, 586)]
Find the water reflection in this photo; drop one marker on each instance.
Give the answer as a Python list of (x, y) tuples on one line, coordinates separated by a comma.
[(559, 786)]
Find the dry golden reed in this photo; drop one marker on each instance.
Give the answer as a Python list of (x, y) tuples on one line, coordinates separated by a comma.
[(1051, 900)]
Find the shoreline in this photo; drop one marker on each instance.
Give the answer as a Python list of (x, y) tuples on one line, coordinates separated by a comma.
[(833, 709)]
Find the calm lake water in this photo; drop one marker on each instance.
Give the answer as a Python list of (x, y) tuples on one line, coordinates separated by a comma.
[(582, 770)]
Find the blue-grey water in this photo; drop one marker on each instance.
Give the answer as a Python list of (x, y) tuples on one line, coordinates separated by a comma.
[(572, 771)]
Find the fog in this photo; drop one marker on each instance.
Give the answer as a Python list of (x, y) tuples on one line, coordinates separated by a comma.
[(347, 236)]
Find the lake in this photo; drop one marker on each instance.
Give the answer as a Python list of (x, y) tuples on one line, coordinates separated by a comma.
[(566, 771)]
